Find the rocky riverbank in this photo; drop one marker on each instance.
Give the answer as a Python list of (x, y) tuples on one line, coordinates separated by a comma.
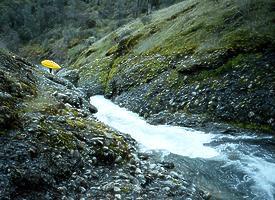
[(53, 148), (214, 60)]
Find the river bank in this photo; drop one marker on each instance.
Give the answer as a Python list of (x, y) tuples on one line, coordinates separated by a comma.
[(214, 60)]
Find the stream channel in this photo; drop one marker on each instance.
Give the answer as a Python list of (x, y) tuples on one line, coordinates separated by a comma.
[(229, 167)]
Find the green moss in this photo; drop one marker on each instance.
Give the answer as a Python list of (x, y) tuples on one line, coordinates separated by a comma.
[(33, 50), (124, 46), (2, 133), (64, 139), (177, 44), (80, 51), (232, 63), (43, 103), (118, 144), (235, 63), (243, 39), (183, 12), (113, 50), (78, 123), (174, 81), (55, 136), (125, 189), (74, 41), (253, 126)]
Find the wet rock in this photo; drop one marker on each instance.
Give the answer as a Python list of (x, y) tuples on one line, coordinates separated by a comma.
[(251, 114), (207, 196), (92, 109), (167, 165), (117, 189), (117, 196), (71, 75)]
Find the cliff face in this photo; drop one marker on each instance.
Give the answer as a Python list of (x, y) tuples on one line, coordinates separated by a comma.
[(212, 58)]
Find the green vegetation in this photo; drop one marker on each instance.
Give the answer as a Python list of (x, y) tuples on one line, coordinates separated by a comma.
[(227, 30), (254, 127), (194, 42)]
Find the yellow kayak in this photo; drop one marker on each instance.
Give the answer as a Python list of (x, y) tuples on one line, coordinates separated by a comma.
[(50, 64)]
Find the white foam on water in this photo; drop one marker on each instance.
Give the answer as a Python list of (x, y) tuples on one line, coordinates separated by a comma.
[(191, 143), (263, 173), (177, 140), (260, 169)]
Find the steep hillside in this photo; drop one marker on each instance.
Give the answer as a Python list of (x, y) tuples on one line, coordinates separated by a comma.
[(61, 28), (212, 58)]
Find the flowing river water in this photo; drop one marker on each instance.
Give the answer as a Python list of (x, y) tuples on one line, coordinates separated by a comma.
[(230, 167)]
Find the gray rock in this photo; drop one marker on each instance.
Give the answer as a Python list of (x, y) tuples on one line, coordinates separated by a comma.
[(92, 109), (117, 189), (71, 75)]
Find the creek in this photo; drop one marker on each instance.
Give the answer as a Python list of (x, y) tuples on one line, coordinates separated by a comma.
[(238, 166)]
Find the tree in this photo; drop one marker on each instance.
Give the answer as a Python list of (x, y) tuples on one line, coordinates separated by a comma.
[(149, 6)]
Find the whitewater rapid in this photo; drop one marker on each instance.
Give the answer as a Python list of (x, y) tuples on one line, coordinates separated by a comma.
[(237, 154)]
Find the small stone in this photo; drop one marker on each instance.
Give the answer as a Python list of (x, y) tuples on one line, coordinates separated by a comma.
[(59, 156), (166, 189), (212, 103), (117, 189), (270, 121), (138, 171), (33, 152), (117, 196), (54, 93), (88, 171), (81, 145), (251, 114), (152, 166), (62, 189), (92, 109), (132, 167), (90, 161), (82, 189), (174, 174), (168, 165), (118, 159), (207, 195), (105, 148)]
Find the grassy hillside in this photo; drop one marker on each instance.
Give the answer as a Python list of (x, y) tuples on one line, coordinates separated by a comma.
[(214, 58)]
